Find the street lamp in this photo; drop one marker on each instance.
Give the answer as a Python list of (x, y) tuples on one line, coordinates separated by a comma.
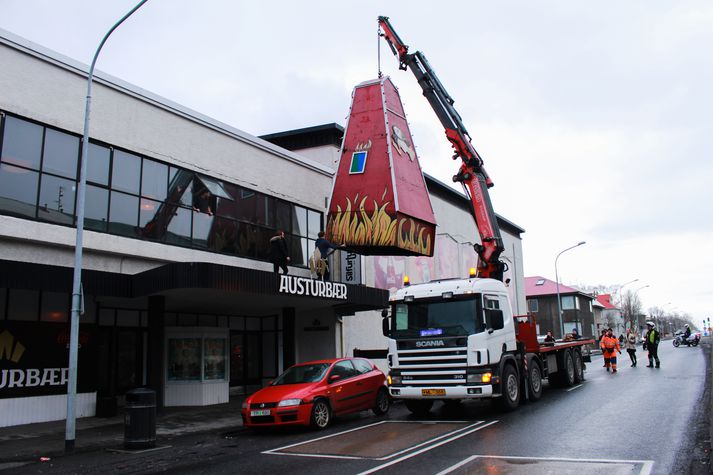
[(77, 278), (557, 281)]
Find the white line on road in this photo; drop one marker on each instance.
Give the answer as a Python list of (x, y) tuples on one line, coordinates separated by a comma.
[(646, 465), (426, 449), (575, 387)]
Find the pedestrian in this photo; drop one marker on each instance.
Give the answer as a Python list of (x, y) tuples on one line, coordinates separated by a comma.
[(278, 252), (601, 338), (324, 246), (610, 346), (631, 346), (575, 333), (549, 338), (651, 343)]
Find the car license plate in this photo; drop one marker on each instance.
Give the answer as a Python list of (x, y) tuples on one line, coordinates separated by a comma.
[(433, 392), (261, 412)]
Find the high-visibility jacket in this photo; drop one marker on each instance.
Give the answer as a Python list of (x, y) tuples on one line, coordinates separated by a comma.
[(609, 346)]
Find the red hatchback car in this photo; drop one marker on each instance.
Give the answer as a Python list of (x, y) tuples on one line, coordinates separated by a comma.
[(312, 393)]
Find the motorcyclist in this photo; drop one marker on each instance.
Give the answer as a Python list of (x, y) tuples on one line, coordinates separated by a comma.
[(651, 343), (687, 332)]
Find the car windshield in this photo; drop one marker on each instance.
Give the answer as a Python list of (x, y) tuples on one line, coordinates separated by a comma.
[(454, 317), (308, 373)]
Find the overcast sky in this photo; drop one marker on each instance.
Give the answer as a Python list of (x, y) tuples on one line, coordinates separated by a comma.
[(594, 119)]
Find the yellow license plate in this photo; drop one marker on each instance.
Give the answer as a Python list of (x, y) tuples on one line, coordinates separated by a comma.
[(433, 392)]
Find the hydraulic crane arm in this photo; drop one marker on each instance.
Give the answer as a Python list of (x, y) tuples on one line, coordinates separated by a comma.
[(472, 174)]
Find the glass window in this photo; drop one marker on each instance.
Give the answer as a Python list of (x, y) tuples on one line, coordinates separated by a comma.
[(252, 323), (269, 352), (18, 190), (98, 164), (314, 223), (214, 358), (268, 323), (23, 305), (61, 153), (3, 294), (202, 226), (125, 172), (22, 143), (154, 180), (298, 250), (262, 242), (282, 216), (148, 212), (300, 221), (343, 369), (123, 214), (55, 307), (184, 359), (533, 305), (452, 317), (223, 236), (247, 240), (179, 229), (362, 365), (568, 302), (96, 206), (207, 320), (237, 323), (57, 199), (127, 318), (214, 186), (107, 317), (187, 319), (179, 187)]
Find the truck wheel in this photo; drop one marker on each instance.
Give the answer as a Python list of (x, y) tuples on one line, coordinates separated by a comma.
[(535, 381), (578, 367), (567, 370), (321, 414), (382, 402), (510, 390), (418, 408)]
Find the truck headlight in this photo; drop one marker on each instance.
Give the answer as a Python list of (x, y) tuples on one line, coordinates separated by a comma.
[(478, 378), (394, 380)]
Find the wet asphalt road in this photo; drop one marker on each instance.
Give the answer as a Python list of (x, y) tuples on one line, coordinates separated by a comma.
[(639, 414)]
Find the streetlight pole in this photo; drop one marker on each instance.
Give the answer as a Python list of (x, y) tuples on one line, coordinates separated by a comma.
[(557, 281), (70, 425)]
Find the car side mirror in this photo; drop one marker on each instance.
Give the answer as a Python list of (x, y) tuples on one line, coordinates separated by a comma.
[(334, 377), (385, 326)]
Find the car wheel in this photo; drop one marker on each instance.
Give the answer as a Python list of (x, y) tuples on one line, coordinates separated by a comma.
[(321, 414), (417, 407), (382, 402)]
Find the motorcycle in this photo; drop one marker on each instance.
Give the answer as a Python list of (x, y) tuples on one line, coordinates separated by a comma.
[(692, 340)]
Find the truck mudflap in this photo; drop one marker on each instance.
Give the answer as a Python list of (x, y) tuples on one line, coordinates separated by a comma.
[(448, 392)]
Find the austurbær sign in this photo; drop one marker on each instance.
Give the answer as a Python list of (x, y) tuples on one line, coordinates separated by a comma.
[(293, 285)]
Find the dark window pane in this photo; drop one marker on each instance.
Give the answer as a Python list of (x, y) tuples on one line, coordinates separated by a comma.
[(125, 172), (22, 143), (149, 218), (314, 223), (98, 164), (57, 200), (252, 207), (247, 240), (95, 208), (18, 190), (55, 307), (61, 152), (154, 180), (300, 221), (123, 214), (223, 236), (23, 305), (179, 188), (282, 216), (202, 224), (179, 229), (298, 250), (262, 242)]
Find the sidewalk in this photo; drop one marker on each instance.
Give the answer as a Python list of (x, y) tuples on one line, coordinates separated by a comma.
[(46, 439)]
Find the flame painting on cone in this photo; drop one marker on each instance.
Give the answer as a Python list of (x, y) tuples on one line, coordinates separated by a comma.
[(380, 204)]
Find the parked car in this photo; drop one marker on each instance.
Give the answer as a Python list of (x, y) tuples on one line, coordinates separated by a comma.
[(312, 393)]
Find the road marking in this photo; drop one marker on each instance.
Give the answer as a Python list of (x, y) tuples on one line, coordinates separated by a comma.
[(575, 387), (426, 449), (450, 433), (646, 465)]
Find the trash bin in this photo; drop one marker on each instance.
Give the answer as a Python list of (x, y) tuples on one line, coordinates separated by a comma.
[(140, 419)]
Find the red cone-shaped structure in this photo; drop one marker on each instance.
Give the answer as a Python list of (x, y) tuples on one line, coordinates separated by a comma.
[(380, 204)]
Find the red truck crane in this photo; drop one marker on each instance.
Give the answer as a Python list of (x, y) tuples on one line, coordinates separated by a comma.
[(454, 339)]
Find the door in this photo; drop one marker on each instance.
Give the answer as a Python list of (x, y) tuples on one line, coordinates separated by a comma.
[(345, 390), (245, 359)]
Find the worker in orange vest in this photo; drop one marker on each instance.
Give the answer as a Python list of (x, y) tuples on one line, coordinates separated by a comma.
[(610, 346)]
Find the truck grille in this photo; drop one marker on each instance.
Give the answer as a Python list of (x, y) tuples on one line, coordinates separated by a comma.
[(430, 366)]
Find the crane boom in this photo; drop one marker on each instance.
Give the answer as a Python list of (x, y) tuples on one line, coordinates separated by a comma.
[(472, 174)]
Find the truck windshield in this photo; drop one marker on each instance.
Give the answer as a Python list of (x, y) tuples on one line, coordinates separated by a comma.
[(455, 317)]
